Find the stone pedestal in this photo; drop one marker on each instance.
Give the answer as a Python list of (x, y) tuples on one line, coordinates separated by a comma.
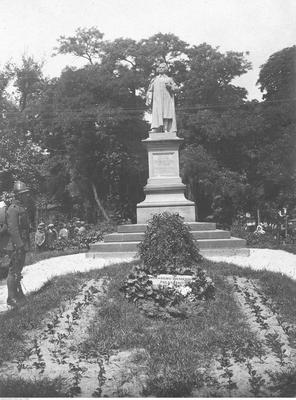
[(164, 190)]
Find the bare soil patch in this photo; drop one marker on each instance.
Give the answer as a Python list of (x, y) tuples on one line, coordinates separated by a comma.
[(241, 376), (53, 351)]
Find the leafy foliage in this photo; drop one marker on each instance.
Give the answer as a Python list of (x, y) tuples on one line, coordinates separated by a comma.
[(277, 76), (21, 158), (167, 248), (167, 301), (87, 43), (167, 245), (155, 302)]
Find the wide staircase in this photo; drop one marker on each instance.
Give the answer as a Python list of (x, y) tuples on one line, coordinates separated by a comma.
[(210, 241)]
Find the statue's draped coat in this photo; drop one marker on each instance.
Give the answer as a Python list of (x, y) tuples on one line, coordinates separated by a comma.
[(163, 102)]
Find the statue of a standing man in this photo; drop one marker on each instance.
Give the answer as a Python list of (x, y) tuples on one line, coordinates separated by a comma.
[(161, 92)]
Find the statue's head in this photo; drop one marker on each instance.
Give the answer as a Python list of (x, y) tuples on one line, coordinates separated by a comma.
[(162, 68)]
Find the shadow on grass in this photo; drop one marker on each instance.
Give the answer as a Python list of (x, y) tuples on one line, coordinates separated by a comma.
[(18, 387)]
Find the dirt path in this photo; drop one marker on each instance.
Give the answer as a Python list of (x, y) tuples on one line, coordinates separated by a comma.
[(246, 376), (261, 259), (36, 275), (54, 350)]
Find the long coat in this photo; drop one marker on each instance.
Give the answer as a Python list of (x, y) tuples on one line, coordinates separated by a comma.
[(163, 101)]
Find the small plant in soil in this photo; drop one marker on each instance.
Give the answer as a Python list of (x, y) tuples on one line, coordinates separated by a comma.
[(227, 372), (255, 380), (75, 313), (61, 338), (77, 373), (69, 324), (278, 347), (40, 363), (101, 378), (50, 329), (88, 297), (256, 309), (51, 326), (260, 319), (59, 356), (20, 364), (248, 349)]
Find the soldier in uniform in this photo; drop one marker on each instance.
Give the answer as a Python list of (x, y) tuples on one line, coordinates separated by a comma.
[(19, 231)]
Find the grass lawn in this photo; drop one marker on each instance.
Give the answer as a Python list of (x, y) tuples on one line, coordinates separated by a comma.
[(180, 351)]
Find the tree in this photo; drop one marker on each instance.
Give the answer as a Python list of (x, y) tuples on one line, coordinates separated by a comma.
[(217, 190), (274, 172), (277, 77), (87, 43), (210, 74), (212, 121), (98, 143), (28, 80), (20, 156)]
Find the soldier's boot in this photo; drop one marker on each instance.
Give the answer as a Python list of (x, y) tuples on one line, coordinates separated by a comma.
[(20, 296), (12, 291)]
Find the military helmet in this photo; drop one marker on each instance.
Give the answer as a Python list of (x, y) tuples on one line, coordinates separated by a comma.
[(20, 187)]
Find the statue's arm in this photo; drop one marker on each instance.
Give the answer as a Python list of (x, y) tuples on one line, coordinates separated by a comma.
[(172, 86)]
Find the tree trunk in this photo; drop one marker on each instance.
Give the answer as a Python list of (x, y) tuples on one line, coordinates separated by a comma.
[(101, 208)]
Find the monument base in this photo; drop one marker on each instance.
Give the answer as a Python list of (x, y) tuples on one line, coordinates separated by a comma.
[(185, 209), (164, 190)]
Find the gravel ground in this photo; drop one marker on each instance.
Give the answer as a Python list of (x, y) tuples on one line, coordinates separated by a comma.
[(260, 259), (37, 274), (34, 276)]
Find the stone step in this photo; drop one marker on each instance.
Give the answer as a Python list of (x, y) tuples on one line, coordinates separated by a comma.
[(194, 226), (114, 247), (232, 242), (208, 253), (138, 236), (225, 252)]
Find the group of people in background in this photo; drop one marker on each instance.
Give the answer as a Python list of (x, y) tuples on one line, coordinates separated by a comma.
[(46, 236)]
